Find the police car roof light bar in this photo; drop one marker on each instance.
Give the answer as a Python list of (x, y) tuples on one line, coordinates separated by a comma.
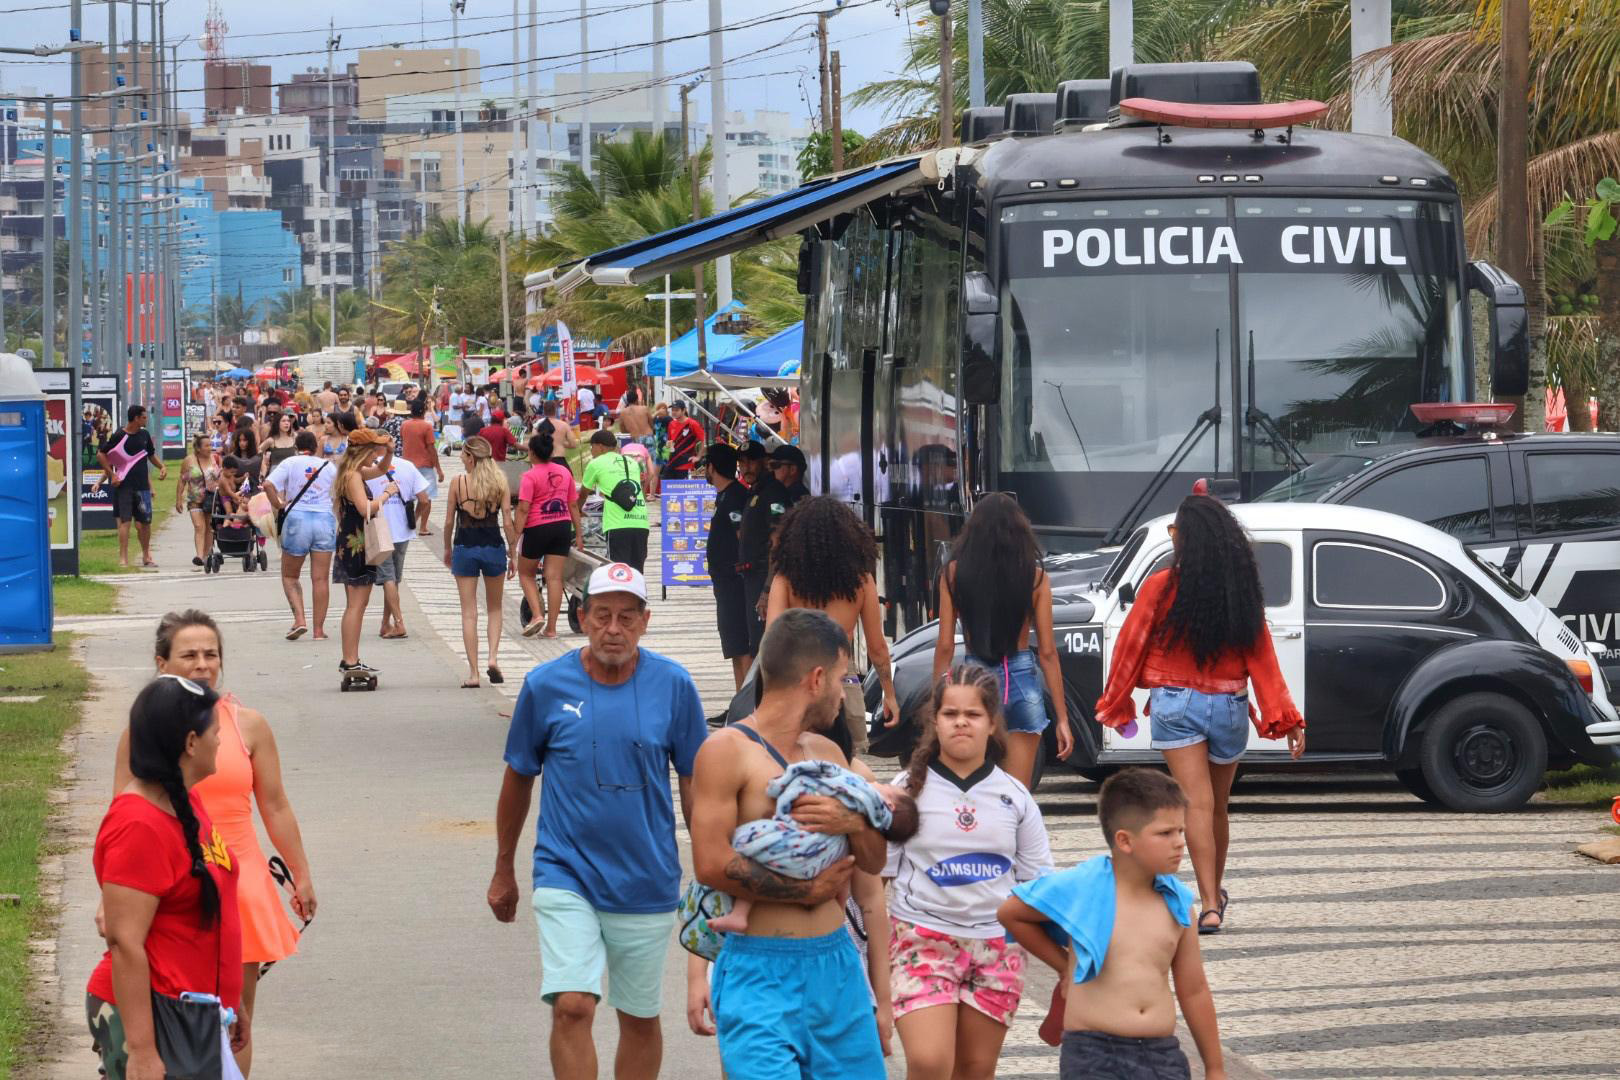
[(1478, 413), (1280, 114)]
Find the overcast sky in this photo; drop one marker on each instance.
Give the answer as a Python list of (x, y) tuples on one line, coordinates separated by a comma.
[(772, 65)]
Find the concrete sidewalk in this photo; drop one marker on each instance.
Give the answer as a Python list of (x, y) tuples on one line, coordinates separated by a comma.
[(404, 973)]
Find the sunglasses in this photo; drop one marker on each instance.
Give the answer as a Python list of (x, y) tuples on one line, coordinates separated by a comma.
[(187, 684)]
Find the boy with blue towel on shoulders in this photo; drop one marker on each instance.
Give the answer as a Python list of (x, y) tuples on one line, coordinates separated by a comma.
[(1127, 924)]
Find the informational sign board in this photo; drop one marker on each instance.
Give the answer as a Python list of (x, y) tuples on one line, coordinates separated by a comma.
[(61, 466), (688, 507), (172, 415), (100, 417)]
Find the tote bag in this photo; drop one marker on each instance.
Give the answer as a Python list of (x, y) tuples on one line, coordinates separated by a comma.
[(379, 540)]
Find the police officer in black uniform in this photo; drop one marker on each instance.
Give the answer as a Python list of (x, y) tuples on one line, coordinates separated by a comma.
[(767, 505), (731, 612)]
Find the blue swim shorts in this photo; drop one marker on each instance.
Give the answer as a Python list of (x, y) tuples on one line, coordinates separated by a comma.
[(1023, 694), (794, 1007), (1182, 717), (303, 533)]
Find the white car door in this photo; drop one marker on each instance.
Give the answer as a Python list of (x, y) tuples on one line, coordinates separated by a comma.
[(1280, 561)]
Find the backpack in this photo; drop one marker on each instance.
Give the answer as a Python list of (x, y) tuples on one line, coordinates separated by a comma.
[(626, 494)]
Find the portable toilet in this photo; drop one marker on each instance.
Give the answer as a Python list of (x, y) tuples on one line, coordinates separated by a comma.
[(25, 540)]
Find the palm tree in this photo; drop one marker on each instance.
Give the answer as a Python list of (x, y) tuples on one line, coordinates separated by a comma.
[(458, 264)]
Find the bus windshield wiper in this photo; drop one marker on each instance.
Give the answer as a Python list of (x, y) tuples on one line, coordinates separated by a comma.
[(1209, 418), (1256, 417)]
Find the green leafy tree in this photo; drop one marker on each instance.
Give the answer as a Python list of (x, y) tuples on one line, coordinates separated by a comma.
[(816, 157)]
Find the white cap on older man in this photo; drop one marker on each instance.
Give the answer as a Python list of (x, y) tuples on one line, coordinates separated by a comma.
[(617, 577)]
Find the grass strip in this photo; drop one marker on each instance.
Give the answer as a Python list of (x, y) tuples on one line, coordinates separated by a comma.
[(1584, 785), (98, 549), (31, 761), (83, 596)]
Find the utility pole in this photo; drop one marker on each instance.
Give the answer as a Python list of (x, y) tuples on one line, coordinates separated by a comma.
[(660, 95), (456, 8), (506, 310), (721, 178), (47, 311), (975, 53), (584, 90), (698, 302), (514, 192), (532, 164), (826, 79), (837, 113), (73, 346), (332, 40), (137, 347), (113, 331), (1512, 151), (1370, 30)]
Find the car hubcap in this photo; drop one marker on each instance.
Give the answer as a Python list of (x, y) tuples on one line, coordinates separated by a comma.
[(1486, 757)]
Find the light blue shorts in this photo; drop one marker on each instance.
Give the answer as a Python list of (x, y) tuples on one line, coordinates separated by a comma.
[(1023, 694), (577, 943), (304, 533), (794, 1007), (1182, 717)]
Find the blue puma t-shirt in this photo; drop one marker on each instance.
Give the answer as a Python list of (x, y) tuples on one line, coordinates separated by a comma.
[(607, 818)]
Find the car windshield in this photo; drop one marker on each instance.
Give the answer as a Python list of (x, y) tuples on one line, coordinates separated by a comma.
[(1316, 480)]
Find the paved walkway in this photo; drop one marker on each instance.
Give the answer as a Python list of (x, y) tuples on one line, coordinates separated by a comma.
[(1370, 936)]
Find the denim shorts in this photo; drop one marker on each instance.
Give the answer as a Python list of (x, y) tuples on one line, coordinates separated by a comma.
[(1023, 695), (303, 533), (486, 560), (1182, 717)]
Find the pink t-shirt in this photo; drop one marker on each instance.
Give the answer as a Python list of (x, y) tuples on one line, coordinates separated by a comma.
[(549, 490)]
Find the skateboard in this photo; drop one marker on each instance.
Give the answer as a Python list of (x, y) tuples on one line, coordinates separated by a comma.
[(362, 680)]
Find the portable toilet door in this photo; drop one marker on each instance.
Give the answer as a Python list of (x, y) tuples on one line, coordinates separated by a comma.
[(25, 540)]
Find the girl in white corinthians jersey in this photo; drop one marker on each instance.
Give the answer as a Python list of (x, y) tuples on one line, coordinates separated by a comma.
[(956, 977)]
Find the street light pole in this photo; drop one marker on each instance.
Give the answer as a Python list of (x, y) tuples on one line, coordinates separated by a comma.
[(73, 343), (456, 8), (47, 311), (975, 53), (721, 180), (698, 303), (332, 188)]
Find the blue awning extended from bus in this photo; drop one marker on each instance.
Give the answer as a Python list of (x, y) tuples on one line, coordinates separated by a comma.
[(683, 350), (744, 226)]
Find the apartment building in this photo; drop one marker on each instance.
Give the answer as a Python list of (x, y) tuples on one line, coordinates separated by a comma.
[(386, 73), (235, 87), (235, 251), (306, 94)]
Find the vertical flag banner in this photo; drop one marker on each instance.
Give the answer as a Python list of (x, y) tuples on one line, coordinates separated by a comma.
[(565, 352)]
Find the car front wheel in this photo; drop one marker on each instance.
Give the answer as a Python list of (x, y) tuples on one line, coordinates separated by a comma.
[(1483, 752)]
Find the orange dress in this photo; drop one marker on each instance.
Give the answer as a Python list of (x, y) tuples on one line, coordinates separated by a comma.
[(267, 933)]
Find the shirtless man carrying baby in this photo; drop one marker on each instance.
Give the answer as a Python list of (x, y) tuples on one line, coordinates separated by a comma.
[(1129, 927), (789, 997)]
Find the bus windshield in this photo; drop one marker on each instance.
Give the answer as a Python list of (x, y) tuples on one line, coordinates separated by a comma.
[(1125, 321)]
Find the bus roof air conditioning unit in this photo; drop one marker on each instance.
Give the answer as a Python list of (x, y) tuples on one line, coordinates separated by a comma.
[(1081, 102), (983, 123), (1234, 82), (1029, 114)]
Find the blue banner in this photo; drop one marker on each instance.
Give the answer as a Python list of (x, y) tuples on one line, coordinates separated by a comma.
[(688, 508)]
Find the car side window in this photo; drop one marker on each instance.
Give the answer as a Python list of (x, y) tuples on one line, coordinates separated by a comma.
[(1161, 563), (1571, 492), (1349, 575), (1452, 495), (1276, 565)]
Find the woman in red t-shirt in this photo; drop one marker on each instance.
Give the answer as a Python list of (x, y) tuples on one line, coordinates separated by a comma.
[(168, 883), (1196, 637)]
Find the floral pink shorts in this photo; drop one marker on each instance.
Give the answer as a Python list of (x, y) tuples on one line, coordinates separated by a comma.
[(929, 968)]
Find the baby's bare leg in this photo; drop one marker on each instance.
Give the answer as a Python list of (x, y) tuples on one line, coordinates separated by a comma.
[(734, 921)]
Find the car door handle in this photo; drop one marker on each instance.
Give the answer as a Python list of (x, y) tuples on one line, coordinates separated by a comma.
[(1288, 634)]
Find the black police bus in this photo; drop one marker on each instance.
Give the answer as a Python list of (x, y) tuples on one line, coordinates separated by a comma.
[(1104, 294)]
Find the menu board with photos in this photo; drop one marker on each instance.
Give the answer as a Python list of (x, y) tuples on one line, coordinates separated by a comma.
[(688, 506)]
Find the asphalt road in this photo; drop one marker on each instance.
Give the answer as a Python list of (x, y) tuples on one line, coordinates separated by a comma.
[(1370, 936)]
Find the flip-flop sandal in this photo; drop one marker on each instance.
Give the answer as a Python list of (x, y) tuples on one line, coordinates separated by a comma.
[(495, 675), (1225, 899), (1208, 928), (469, 686), (297, 632)]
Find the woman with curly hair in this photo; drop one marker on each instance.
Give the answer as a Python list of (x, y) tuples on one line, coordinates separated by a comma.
[(994, 586), (1195, 638), (824, 557)]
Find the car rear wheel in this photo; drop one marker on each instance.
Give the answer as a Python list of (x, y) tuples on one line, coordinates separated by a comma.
[(1483, 752)]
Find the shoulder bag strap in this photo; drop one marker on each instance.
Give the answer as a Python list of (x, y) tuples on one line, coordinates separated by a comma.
[(769, 749), (305, 488)]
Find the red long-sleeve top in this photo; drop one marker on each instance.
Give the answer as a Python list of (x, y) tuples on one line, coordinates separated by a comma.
[(1142, 660)]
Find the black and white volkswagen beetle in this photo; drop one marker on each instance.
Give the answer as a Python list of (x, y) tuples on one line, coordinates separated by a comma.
[(1403, 649)]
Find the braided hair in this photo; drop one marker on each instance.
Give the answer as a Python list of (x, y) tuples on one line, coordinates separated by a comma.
[(164, 713), (926, 751)]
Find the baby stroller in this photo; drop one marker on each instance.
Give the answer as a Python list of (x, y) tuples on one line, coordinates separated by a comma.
[(236, 538)]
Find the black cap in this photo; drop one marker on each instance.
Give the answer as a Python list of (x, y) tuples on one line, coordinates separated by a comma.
[(789, 454), (754, 451)]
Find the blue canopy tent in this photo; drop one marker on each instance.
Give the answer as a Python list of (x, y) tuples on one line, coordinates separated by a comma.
[(776, 356), (683, 350)]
